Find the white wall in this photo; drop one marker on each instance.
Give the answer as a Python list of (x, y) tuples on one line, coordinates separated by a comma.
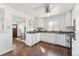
[(75, 44), (6, 40)]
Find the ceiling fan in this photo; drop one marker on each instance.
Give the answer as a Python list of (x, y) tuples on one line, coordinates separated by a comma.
[(47, 7)]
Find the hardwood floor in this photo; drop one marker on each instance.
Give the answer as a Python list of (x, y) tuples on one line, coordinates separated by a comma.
[(40, 49)]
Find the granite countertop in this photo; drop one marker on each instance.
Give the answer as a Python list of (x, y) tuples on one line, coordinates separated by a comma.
[(59, 32)]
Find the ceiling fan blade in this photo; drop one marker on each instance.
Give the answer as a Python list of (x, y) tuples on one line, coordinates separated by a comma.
[(49, 7), (37, 8), (52, 6)]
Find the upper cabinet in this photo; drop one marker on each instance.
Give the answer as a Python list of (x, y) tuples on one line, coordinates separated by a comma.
[(68, 19), (1, 19), (38, 22), (30, 24)]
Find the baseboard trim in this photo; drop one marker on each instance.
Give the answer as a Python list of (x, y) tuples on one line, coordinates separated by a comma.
[(36, 43), (39, 42), (55, 44), (1, 54)]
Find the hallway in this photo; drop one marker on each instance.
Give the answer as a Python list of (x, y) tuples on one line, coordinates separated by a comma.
[(40, 49)]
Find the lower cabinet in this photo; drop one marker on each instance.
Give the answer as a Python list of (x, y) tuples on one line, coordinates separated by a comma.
[(28, 39), (60, 39), (32, 39), (35, 38), (48, 37), (57, 39), (51, 38)]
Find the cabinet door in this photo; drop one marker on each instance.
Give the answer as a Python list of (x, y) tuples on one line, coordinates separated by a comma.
[(41, 22), (68, 20), (42, 36), (60, 39), (51, 38), (28, 39), (34, 37), (48, 37), (45, 37)]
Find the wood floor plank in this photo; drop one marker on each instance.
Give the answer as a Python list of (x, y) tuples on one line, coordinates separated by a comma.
[(40, 49)]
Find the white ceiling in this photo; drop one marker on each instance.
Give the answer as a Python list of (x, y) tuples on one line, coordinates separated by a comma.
[(38, 9), (17, 19)]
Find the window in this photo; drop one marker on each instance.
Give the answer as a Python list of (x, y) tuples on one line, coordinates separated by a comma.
[(52, 25)]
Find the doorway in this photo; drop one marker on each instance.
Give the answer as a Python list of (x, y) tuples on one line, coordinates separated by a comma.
[(14, 27)]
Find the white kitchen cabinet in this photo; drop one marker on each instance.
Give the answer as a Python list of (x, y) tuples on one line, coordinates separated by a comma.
[(35, 38), (28, 39), (61, 39), (48, 37), (43, 37), (35, 23), (68, 20), (30, 25), (38, 23), (32, 39), (53, 38)]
